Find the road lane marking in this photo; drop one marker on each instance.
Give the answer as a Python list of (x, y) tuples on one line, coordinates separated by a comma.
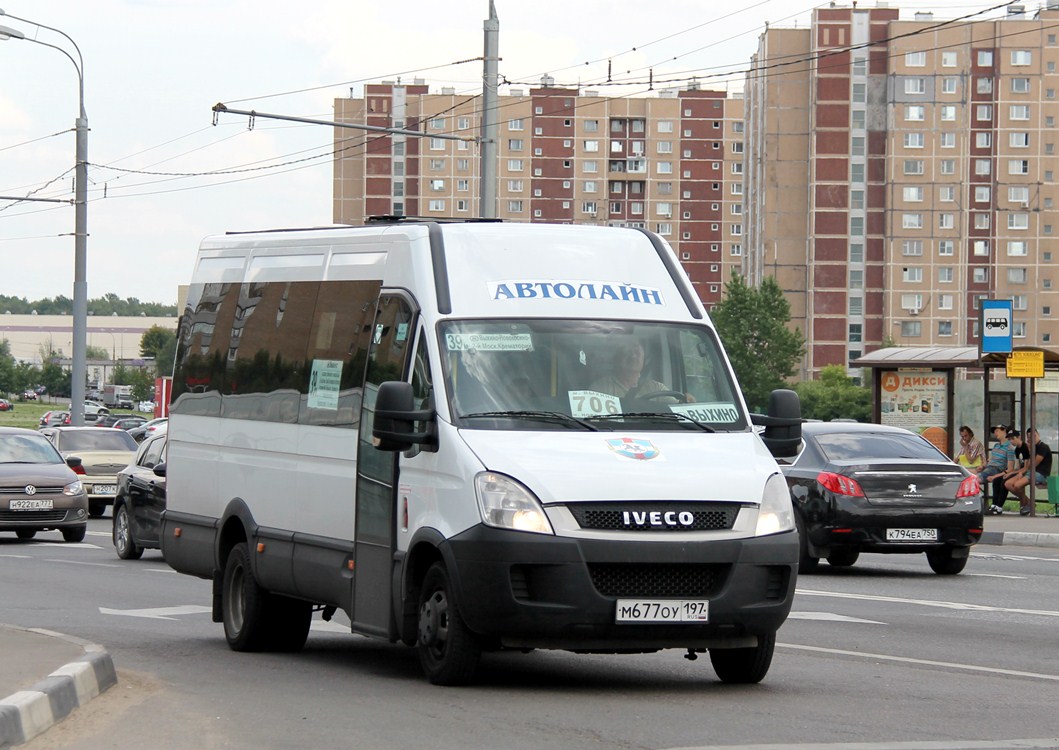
[(929, 603), (923, 662), (1047, 742), (829, 617), (999, 556), (82, 562), (158, 613), (995, 575)]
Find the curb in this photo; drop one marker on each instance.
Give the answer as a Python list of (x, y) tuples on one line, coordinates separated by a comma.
[(1021, 538), (27, 713)]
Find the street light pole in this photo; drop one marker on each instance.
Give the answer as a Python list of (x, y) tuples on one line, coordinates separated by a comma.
[(80, 300)]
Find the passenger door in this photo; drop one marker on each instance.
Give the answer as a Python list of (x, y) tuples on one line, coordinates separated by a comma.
[(376, 508)]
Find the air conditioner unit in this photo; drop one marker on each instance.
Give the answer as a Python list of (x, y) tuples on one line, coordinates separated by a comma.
[(913, 311)]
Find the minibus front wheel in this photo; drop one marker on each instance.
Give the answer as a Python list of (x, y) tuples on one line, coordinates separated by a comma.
[(448, 650)]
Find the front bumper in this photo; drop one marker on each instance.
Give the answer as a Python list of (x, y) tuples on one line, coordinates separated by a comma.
[(536, 591)]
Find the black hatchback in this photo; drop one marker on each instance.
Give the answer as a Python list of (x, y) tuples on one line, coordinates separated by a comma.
[(872, 488)]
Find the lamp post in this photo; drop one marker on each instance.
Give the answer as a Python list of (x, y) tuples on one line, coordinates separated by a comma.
[(80, 312)]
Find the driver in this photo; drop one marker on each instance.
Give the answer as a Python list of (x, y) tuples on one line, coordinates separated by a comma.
[(626, 378)]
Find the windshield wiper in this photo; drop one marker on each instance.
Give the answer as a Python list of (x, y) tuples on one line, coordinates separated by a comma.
[(662, 416), (556, 416)]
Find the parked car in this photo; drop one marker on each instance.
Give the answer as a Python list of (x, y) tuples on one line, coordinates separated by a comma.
[(93, 410), (39, 490), (872, 488), (140, 500), (149, 428), (103, 452), (125, 422), (55, 418), (6, 405), (145, 406), (29, 395)]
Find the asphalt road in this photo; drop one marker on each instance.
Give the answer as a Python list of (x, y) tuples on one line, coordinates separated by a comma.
[(885, 654)]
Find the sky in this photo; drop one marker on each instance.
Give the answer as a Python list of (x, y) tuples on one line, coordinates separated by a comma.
[(164, 174)]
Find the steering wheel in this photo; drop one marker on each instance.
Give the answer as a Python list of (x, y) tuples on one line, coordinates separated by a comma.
[(680, 397)]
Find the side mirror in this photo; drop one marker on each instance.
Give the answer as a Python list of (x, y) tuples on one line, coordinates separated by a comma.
[(74, 462), (395, 418), (159, 470), (783, 423)]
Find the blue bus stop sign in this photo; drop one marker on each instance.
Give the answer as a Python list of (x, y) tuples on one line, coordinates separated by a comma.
[(995, 326)]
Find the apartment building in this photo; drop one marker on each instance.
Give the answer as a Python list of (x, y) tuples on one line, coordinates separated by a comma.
[(671, 162), (899, 171)]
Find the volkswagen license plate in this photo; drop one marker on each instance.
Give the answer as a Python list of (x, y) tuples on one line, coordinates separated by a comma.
[(34, 504), (105, 489), (662, 610), (911, 535)]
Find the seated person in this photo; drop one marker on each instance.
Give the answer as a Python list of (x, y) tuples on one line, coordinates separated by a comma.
[(1017, 482), (626, 378)]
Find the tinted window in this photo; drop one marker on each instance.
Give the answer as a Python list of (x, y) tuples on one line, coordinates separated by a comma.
[(848, 446), (93, 440), (27, 449)]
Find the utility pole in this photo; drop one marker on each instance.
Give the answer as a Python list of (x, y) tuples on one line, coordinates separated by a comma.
[(490, 127)]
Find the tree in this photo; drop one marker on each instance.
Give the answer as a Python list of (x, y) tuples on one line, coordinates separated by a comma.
[(142, 385), (8, 380), (752, 323), (834, 395), (96, 352), (159, 343)]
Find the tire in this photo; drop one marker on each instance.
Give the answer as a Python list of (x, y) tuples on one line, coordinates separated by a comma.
[(806, 563), (448, 651), (843, 558), (943, 563), (75, 533), (124, 545), (243, 604), (26, 534), (96, 510), (289, 621), (744, 666)]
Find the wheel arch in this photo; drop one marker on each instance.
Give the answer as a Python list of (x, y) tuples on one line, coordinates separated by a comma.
[(426, 548)]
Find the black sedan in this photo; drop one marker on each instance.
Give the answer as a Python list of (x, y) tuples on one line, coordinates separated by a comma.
[(870, 488), (140, 500)]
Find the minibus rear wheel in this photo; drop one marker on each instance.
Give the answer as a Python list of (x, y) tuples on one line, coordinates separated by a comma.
[(744, 666), (243, 603), (448, 651)]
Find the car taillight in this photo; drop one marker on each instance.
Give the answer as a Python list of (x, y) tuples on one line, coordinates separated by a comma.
[(839, 484), (78, 469), (969, 487)]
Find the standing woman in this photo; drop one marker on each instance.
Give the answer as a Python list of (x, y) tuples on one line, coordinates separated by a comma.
[(971, 454)]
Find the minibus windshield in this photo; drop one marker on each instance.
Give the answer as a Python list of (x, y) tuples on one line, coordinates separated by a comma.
[(537, 374)]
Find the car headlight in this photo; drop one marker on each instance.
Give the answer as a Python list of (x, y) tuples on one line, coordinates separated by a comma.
[(74, 488), (506, 504), (776, 513)]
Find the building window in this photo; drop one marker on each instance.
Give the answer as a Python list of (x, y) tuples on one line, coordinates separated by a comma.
[(981, 248), (856, 279), (736, 250), (856, 197), (860, 95), (912, 220), (856, 226), (985, 58), (914, 112), (1021, 57), (665, 167), (636, 207), (1017, 275), (437, 185), (983, 139), (436, 205), (514, 207), (947, 194), (1019, 140), (980, 275), (1018, 166), (946, 247), (588, 207), (515, 124), (855, 333), (462, 165), (437, 144), (984, 85), (1020, 85), (591, 186), (514, 186), (945, 276), (946, 166), (948, 85), (948, 140), (856, 305), (944, 327), (514, 165), (912, 302), (590, 166), (983, 166), (913, 140), (664, 229), (1019, 302), (856, 252), (945, 300), (912, 86), (948, 59), (856, 145), (948, 112), (664, 147), (982, 221), (913, 192), (912, 166), (912, 274), (912, 247), (982, 193), (461, 205), (911, 328), (437, 164), (591, 146), (915, 60), (983, 113)]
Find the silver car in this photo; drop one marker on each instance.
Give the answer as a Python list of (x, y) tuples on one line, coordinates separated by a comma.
[(103, 451), (38, 489)]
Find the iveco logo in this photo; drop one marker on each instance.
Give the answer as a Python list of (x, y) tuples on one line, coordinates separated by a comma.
[(668, 519), (31, 490)]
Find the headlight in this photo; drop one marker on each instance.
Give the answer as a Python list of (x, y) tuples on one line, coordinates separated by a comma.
[(776, 513), (74, 488), (506, 504)]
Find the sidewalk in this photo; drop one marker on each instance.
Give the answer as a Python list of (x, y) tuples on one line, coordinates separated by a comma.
[(45, 676), (1011, 528)]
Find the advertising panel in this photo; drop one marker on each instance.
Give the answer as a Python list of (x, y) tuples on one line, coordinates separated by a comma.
[(916, 400)]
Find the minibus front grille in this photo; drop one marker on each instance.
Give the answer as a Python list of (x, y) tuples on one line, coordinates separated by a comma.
[(655, 516), (686, 580)]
